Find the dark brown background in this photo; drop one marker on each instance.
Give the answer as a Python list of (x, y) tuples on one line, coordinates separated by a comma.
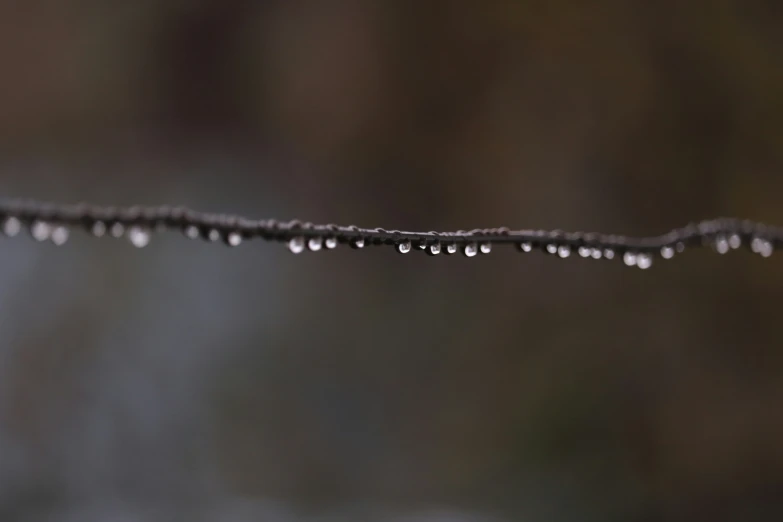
[(187, 381)]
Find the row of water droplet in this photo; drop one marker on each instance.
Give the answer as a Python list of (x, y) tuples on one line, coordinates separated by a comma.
[(140, 236), (640, 259), (299, 244), (58, 233)]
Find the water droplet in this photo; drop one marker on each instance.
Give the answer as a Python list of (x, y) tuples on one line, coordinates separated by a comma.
[(721, 245), (40, 230), (680, 247), (667, 252), (451, 248), (404, 247), (234, 239), (470, 250), (526, 247), (98, 229), (735, 241), (485, 248), (434, 249), (584, 251), (644, 261), (357, 243), (564, 251), (330, 243), (296, 245), (551, 248), (596, 253), (117, 230), (59, 235), (11, 226), (421, 245), (761, 246), (138, 236), (191, 232), (314, 244), (608, 253), (629, 258), (213, 234)]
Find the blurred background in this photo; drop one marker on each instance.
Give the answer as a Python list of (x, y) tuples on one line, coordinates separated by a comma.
[(187, 381)]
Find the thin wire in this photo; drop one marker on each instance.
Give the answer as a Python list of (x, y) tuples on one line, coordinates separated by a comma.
[(45, 220)]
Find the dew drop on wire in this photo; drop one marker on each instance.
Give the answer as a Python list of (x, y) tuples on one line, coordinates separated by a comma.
[(11, 226), (735, 241), (404, 247), (721, 245), (597, 253), (421, 245), (608, 253), (564, 251), (234, 239), (451, 248), (551, 248), (470, 250), (117, 230), (629, 258), (40, 230), (59, 235), (525, 247), (191, 232), (138, 236), (330, 243), (485, 248), (296, 245), (434, 249), (667, 252), (213, 234), (98, 229), (314, 244), (644, 261), (761, 246), (584, 251), (357, 243), (680, 247)]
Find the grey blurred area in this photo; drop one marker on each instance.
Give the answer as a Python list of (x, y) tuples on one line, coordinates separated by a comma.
[(190, 381)]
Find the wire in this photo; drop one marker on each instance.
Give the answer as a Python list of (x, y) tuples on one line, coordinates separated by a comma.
[(50, 221)]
